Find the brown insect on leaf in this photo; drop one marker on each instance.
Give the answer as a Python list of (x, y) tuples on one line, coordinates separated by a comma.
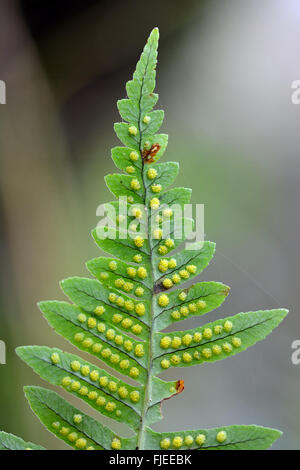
[(148, 155)]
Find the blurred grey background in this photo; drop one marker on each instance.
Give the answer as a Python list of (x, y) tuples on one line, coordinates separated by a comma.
[(224, 79)]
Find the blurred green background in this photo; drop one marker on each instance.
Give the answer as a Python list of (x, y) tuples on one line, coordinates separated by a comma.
[(224, 79)]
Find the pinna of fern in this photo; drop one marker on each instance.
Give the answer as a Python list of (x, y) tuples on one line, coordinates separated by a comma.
[(139, 291)]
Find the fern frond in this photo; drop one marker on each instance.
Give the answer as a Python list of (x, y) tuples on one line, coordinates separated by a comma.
[(137, 292)]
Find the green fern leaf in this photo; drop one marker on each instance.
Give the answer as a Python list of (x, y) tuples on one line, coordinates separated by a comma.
[(118, 317)]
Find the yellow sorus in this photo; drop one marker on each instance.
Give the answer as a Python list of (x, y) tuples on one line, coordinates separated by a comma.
[(172, 263), (117, 318), (129, 305), (137, 258), (140, 309), (192, 308), (182, 296), (200, 439), (133, 227), (101, 401), (77, 419), (146, 119), (176, 342), (137, 213), (118, 413), (79, 337), (134, 156), (227, 347), (92, 322), (112, 297), (128, 286), (94, 375), (134, 396), (184, 311), (136, 329), (119, 283), (134, 372), (197, 337), (201, 304), (87, 343), (165, 443), (124, 364), (163, 265), (167, 283), (175, 359), (112, 386), (93, 395), (116, 444), (197, 355), (75, 386), (156, 188), (184, 274), (64, 431), (142, 272), (167, 213), (187, 339), (207, 333), (112, 265), (131, 272), (188, 440), (104, 275), (177, 442), (127, 323), (132, 130), (110, 334), (99, 310), (66, 381), (139, 350), (163, 300), (139, 241), (186, 357), (228, 326), (218, 329), (103, 381), (130, 169), (85, 370), (221, 436), (206, 352), (120, 301), (101, 327), (169, 243), (110, 406), (123, 392), (119, 340), (55, 358), (216, 349), (236, 342), (106, 353), (165, 363), (81, 443), (154, 203), (83, 391), (75, 365), (175, 315), (81, 318), (139, 291), (56, 425), (128, 345), (157, 234), (191, 268), (135, 184), (114, 358), (165, 342), (172, 389), (162, 250), (176, 278), (90, 448), (151, 173), (130, 199)]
